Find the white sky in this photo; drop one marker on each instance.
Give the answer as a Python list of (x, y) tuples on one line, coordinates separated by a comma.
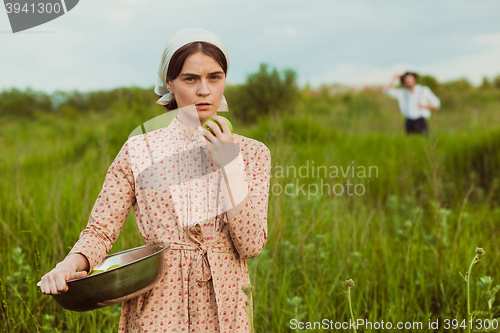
[(113, 43)]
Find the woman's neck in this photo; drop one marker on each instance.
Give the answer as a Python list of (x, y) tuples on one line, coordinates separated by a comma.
[(190, 121)]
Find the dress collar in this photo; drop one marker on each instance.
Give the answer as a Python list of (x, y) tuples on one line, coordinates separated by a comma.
[(182, 130)]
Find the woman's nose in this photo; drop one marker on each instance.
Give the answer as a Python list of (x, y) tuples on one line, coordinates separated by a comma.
[(203, 89)]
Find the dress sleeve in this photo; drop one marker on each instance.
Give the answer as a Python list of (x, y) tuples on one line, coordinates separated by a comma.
[(109, 212), (248, 228)]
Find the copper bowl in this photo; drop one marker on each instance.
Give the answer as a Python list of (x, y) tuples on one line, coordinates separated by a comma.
[(140, 269)]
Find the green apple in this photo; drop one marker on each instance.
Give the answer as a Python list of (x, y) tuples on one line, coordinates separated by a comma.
[(114, 266), (211, 119), (96, 271)]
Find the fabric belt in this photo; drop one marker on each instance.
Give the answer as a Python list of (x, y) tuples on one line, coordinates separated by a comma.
[(201, 258)]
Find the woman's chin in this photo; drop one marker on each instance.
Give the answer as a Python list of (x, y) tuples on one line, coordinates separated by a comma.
[(205, 114)]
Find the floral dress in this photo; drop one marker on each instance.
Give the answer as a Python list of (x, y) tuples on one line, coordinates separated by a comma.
[(176, 192)]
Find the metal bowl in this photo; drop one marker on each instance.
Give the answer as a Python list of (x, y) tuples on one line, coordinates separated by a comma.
[(141, 269)]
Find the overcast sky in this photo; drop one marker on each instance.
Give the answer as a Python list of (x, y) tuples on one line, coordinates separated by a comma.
[(113, 43)]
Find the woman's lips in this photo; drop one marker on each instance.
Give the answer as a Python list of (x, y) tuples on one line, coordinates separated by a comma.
[(203, 106)]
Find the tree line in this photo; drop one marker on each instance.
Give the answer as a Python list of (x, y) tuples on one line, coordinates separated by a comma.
[(264, 92)]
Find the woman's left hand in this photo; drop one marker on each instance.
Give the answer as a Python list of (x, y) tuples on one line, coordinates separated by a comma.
[(221, 145)]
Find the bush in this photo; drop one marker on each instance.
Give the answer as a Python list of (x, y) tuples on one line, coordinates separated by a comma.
[(265, 92), (101, 101), (460, 85), (429, 81), (15, 103), (496, 82)]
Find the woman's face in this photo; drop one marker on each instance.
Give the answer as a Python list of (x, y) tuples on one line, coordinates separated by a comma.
[(201, 82)]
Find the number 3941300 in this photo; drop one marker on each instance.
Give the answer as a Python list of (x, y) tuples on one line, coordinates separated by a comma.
[(477, 324), (40, 8)]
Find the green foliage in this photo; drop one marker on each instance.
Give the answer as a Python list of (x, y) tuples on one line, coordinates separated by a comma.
[(15, 103), (485, 84), (460, 85), (420, 207), (132, 98), (265, 92), (488, 293), (476, 160), (429, 81), (29, 104), (496, 82)]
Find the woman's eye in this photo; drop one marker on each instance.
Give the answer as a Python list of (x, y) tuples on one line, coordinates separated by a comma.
[(190, 79), (215, 77)]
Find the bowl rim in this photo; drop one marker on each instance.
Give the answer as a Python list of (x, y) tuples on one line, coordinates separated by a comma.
[(163, 247)]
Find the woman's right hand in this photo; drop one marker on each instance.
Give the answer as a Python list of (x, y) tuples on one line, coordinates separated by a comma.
[(54, 282)]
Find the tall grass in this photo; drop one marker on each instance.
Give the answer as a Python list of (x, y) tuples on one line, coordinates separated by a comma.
[(403, 241)]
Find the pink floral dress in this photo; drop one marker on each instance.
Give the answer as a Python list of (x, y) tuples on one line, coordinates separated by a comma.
[(167, 176)]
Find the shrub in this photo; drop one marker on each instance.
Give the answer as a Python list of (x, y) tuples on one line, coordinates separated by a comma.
[(265, 92), (15, 103)]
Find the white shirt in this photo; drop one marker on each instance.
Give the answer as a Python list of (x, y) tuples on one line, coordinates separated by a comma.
[(408, 101)]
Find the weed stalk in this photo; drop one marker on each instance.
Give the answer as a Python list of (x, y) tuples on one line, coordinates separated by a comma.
[(349, 284), (477, 258), (248, 290)]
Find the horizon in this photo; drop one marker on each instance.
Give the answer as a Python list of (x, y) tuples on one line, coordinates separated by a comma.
[(302, 86)]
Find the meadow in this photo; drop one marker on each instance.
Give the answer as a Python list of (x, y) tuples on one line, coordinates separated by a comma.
[(427, 204)]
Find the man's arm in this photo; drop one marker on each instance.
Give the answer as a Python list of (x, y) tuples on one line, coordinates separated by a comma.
[(390, 91), (431, 101), (391, 83), (427, 106)]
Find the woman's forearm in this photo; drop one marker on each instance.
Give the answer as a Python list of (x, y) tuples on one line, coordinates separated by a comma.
[(236, 193), (247, 220), (76, 262), (248, 228), (231, 213)]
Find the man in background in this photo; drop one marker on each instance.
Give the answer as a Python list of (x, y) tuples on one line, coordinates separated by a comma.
[(415, 102)]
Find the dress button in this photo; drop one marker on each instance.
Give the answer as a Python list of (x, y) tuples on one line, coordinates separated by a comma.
[(198, 205), (195, 141), (198, 189)]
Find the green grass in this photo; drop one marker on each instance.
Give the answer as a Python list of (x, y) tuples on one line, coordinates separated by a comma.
[(403, 242)]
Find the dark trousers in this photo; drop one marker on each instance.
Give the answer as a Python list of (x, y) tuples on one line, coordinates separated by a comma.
[(416, 126)]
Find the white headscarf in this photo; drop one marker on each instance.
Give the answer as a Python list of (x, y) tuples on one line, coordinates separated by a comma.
[(178, 40)]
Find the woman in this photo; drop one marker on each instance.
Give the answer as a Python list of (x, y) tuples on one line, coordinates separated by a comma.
[(191, 190)]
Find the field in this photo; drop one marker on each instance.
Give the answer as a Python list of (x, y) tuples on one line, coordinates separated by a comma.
[(427, 203)]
